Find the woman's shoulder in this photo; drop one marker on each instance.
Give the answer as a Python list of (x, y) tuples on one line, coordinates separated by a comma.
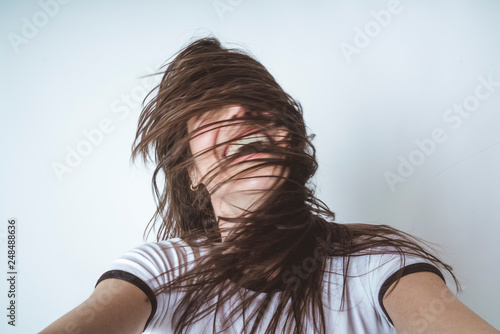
[(150, 259), (369, 273), (162, 245), (376, 264), (387, 258), (171, 252)]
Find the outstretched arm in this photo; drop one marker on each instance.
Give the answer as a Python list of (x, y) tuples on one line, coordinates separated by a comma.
[(115, 306), (422, 303)]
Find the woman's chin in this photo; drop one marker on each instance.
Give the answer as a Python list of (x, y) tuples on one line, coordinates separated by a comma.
[(254, 185), (246, 193), (250, 189)]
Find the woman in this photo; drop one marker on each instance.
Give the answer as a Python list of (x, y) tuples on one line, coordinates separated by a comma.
[(243, 245)]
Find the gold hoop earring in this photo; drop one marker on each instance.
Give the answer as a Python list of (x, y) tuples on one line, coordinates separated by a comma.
[(194, 188)]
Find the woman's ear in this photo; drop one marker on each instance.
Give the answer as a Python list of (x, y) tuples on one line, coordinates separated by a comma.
[(193, 175), (194, 183)]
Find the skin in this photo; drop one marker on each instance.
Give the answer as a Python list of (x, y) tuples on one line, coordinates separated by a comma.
[(422, 303), (233, 198), (114, 307), (419, 303)]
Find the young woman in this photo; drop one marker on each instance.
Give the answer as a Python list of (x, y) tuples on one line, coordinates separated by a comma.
[(244, 246)]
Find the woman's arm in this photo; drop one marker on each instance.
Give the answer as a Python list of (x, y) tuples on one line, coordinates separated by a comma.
[(115, 306), (422, 303)]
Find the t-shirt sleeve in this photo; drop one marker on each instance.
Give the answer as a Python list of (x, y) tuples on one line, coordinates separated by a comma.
[(383, 270), (149, 267)]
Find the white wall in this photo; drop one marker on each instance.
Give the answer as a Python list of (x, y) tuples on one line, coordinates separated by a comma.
[(79, 66)]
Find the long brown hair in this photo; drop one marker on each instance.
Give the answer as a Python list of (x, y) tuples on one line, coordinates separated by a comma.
[(290, 228)]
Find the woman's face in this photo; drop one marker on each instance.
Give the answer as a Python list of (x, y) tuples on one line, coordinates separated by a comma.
[(255, 183)]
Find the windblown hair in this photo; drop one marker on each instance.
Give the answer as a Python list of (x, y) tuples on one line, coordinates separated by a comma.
[(267, 241)]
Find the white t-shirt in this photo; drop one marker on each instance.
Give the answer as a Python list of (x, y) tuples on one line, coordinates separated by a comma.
[(370, 276)]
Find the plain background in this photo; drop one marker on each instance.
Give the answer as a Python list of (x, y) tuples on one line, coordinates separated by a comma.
[(69, 68)]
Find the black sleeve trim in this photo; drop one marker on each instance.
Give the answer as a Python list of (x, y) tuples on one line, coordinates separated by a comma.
[(412, 268), (128, 277)]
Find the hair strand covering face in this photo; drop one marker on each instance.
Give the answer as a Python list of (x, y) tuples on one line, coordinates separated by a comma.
[(266, 241)]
